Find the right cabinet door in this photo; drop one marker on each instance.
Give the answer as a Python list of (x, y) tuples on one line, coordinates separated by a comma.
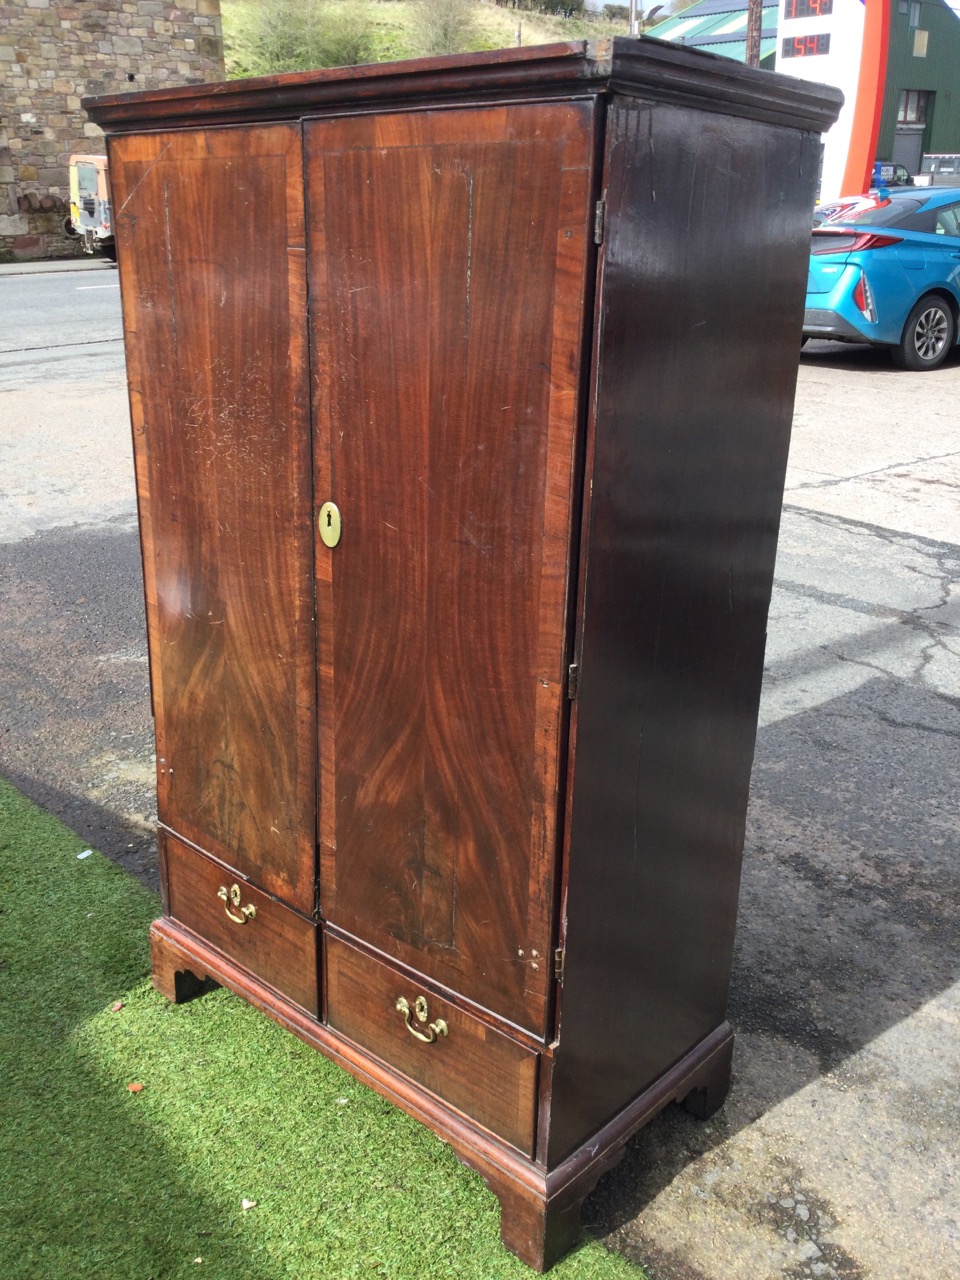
[(449, 254)]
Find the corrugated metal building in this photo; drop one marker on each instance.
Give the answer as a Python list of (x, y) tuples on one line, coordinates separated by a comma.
[(720, 26)]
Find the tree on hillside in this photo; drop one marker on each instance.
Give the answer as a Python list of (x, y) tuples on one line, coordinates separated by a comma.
[(445, 26), (301, 35)]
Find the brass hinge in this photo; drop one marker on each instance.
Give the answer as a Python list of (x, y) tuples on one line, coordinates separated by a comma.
[(573, 680), (599, 221), (558, 964)]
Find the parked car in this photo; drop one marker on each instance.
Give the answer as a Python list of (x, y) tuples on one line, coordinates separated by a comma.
[(890, 276), (844, 207), (90, 216), (887, 174)]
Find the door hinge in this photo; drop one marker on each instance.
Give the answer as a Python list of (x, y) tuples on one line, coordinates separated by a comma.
[(558, 964), (573, 680), (599, 221)]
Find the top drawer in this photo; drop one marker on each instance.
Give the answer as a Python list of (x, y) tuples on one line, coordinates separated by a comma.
[(480, 1071)]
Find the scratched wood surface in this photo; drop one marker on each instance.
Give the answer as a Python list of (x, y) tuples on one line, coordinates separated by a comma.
[(446, 331), (212, 269)]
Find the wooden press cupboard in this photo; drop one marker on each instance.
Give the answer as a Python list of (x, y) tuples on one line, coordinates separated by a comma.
[(461, 393)]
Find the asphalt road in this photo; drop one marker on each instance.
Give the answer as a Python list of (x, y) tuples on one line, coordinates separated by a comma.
[(836, 1154), (63, 325)]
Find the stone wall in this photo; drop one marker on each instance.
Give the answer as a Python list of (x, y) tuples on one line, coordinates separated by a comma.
[(51, 55)]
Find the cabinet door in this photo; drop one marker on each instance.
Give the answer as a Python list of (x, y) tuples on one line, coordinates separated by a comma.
[(449, 253), (212, 267)]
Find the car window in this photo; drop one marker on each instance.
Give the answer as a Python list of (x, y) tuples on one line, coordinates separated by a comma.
[(948, 220), (896, 213)]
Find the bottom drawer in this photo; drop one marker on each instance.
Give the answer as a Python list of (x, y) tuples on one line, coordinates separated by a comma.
[(269, 939), (485, 1074)]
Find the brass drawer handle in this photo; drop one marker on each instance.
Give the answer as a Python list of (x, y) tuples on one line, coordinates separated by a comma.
[(438, 1028), (233, 895)]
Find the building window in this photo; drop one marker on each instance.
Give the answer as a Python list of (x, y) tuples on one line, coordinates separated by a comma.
[(920, 43), (914, 106), (914, 15)]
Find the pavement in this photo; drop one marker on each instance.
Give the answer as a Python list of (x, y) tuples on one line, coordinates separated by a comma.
[(54, 265), (836, 1154)]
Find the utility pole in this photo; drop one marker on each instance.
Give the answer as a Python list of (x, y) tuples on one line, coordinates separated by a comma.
[(754, 27)]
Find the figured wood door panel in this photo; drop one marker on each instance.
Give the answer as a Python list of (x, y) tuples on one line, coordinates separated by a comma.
[(448, 263), (213, 275)]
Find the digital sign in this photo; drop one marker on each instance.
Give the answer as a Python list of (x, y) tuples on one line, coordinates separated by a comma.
[(804, 46), (807, 8)]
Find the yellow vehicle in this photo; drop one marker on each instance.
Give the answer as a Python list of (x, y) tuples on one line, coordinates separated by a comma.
[(90, 213)]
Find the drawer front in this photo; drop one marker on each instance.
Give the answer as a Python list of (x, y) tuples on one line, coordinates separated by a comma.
[(483, 1073), (271, 941)]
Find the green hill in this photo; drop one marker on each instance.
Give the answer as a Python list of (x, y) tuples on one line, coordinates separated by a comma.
[(265, 36)]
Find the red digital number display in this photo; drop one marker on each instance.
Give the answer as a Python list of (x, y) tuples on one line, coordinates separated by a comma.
[(804, 46), (807, 9)]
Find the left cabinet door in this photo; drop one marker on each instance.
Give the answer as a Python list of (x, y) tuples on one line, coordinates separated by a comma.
[(210, 229)]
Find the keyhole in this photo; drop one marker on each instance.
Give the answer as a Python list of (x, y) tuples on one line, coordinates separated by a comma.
[(328, 524)]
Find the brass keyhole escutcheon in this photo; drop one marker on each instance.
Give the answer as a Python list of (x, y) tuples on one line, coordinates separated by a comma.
[(329, 523), (422, 1012), (232, 896)]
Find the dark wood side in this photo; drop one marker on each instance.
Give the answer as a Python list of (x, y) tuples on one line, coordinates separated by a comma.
[(447, 328), (669, 73), (213, 276), (255, 930), (699, 317)]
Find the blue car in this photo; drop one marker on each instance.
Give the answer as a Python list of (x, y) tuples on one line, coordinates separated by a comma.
[(890, 276)]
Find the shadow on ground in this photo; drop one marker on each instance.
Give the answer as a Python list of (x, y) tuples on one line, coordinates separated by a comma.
[(848, 925), (854, 355)]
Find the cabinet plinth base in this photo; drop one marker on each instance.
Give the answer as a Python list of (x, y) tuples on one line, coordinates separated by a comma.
[(540, 1207)]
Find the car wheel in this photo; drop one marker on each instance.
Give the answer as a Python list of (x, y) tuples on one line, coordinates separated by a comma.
[(928, 335)]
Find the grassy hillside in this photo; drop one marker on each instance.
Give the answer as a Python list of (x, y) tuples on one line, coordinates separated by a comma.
[(264, 36)]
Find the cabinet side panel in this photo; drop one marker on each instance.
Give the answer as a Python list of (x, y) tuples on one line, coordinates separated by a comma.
[(212, 262), (448, 258), (700, 308)]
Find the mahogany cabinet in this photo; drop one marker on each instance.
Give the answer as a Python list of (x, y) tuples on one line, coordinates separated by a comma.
[(461, 393)]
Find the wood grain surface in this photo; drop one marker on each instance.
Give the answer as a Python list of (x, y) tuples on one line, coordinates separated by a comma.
[(212, 268), (447, 333), (488, 1076), (276, 944)]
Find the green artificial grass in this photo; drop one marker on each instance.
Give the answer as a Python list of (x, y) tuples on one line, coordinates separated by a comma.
[(99, 1183)]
